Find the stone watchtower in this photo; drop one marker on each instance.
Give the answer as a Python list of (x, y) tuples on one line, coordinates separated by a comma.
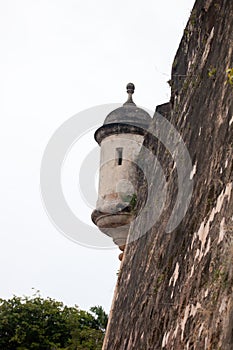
[(120, 139)]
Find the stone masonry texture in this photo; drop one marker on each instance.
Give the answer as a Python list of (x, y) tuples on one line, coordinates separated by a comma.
[(175, 290)]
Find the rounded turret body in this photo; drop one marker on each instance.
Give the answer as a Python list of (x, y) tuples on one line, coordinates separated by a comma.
[(120, 139)]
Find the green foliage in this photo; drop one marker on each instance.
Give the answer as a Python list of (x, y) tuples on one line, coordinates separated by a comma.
[(130, 199), (101, 316), (230, 76), (159, 281), (187, 33), (193, 17), (126, 197), (221, 277), (133, 201), (212, 72), (46, 324), (217, 7)]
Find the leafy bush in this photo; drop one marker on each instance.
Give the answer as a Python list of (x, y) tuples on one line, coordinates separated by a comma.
[(46, 324)]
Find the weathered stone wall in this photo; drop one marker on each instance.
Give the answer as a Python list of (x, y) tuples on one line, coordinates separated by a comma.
[(175, 291)]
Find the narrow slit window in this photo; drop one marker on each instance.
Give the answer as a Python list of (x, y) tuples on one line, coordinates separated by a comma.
[(119, 156)]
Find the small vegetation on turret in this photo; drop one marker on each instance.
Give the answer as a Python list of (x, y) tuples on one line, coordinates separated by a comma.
[(133, 201)]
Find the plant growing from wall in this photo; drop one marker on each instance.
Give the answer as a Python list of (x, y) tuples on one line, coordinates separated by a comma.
[(193, 17), (230, 76), (133, 201), (126, 197), (212, 72), (159, 281)]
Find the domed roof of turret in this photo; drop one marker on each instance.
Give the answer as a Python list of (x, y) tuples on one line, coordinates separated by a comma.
[(129, 113)]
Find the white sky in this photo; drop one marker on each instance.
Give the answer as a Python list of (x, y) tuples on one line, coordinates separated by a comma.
[(59, 57)]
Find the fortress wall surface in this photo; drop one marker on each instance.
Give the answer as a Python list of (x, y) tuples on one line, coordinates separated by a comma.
[(175, 290)]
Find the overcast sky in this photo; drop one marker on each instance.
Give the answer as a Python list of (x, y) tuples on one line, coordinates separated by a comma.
[(59, 57)]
